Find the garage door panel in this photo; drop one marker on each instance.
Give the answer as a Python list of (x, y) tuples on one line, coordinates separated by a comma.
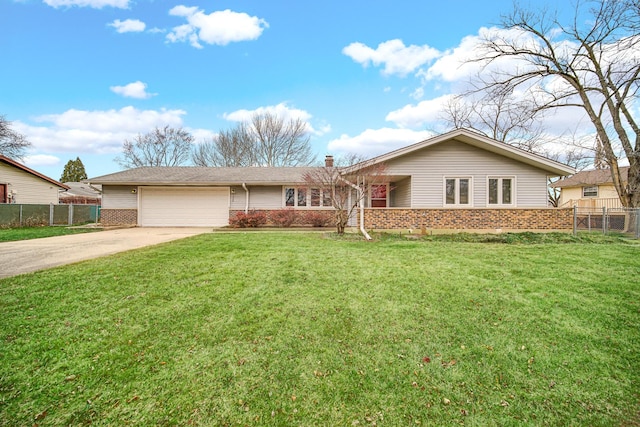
[(184, 206)]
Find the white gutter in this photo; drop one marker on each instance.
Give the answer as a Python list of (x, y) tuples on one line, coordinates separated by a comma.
[(246, 204), (94, 188), (361, 198)]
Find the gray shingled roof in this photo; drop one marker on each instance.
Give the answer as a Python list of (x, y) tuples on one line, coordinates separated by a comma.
[(81, 189), (590, 177), (192, 175)]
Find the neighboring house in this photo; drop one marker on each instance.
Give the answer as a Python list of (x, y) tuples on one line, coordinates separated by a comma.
[(80, 193), (458, 173), (590, 189), (19, 184)]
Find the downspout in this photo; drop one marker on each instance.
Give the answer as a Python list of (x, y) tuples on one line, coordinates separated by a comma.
[(361, 199), (246, 204)]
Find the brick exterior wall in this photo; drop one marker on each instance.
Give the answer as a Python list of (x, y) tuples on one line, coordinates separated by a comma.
[(416, 219), (109, 217), (469, 219)]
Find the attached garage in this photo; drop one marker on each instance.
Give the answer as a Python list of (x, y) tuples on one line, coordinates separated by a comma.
[(183, 206)]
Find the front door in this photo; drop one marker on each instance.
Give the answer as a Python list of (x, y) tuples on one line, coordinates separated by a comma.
[(3, 193)]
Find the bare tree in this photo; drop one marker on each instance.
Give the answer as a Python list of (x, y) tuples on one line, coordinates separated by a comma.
[(280, 143), (349, 183), (231, 148), (499, 115), (165, 146), (12, 144), (592, 64), (265, 140)]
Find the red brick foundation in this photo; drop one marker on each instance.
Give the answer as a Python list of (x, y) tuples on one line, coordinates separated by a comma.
[(110, 217), (469, 219), (417, 219)]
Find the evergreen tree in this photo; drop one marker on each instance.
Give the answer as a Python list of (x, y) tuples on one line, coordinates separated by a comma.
[(73, 171)]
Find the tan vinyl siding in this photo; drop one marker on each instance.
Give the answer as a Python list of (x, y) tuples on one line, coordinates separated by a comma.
[(237, 198), (28, 188), (119, 197), (401, 194), (260, 197), (429, 167), (265, 197)]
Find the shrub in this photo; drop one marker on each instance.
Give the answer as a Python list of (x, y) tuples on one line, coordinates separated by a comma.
[(251, 219), (283, 217), (318, 219)]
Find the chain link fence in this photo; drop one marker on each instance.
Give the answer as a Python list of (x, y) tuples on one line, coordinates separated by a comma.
[(18, 215), (607, 220)]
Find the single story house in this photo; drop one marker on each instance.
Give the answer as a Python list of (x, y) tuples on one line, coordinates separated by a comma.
[(590, 189), (19, 184), (80, 193), (459, 180)]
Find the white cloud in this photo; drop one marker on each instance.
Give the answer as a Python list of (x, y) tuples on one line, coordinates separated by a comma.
[(281, 110), (41, 160), (96, 4), (217, 28), (201, 135), (79, 131), (396, 57), (454, 64), (133, 90), (128, 26), (414, 116), (373, 142)]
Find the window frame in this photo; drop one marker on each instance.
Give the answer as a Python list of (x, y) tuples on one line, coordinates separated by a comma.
[(457, 203), (500, 195), (386, 196), (584, 188), (308, 197)]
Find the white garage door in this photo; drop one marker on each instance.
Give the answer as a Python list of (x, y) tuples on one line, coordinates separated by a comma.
[(184, 207)]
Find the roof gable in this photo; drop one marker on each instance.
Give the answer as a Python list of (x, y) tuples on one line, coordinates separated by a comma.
[(477, 140), (22, 167)]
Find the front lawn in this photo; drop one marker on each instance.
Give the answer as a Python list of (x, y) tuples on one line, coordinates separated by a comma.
[(303, 329), (27, 233)]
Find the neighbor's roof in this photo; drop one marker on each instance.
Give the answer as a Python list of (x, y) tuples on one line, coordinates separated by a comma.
[(477, 140), (13, 163), (591, 177), (83, 190), (194, 175)]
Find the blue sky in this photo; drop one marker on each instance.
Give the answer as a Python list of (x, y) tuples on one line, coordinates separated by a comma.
[(81, 76)]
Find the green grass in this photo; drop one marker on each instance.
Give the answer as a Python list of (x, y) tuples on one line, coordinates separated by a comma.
[(301, 329), (26, 233)]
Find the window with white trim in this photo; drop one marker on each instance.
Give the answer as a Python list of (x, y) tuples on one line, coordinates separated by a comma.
[(501, 190), (591, 191), (457, 191), (304, 197), (379, 196)]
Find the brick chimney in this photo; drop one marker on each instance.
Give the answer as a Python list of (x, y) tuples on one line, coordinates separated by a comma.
[(328, 161)]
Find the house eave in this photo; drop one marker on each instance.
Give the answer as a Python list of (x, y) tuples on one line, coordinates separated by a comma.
[(477, 140), (22, 167), (194, 184)]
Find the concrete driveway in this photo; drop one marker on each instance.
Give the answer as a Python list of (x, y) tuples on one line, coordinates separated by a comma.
[(26, 256)]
